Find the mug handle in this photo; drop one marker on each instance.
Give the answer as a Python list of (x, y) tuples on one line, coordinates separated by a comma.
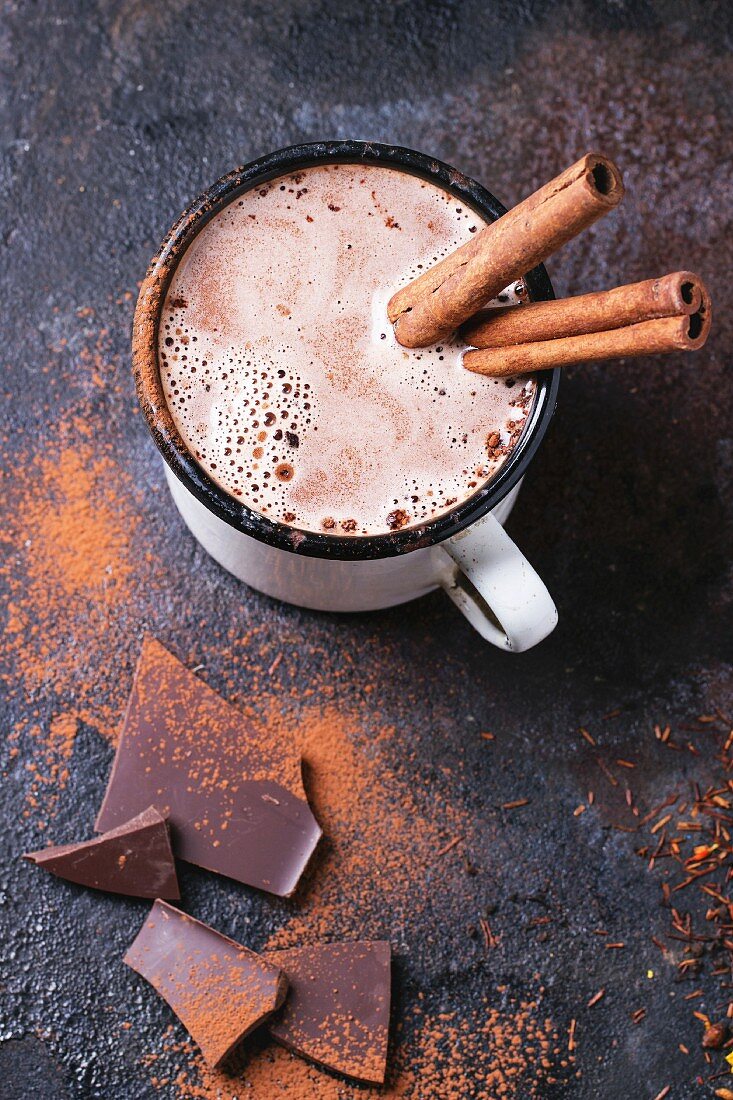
[(492, 583)]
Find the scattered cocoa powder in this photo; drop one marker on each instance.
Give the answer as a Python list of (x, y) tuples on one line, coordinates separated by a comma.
[(68, 567), (504, 1053)]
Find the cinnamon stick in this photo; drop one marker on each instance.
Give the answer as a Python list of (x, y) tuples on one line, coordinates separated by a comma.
[(441, 299), (646, 338), (678, 294)]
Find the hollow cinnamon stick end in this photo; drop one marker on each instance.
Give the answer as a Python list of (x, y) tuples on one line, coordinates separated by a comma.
[(604, 179), (698, 323), (686, 291)]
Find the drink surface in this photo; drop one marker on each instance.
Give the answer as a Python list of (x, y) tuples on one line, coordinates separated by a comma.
[(284, 377)]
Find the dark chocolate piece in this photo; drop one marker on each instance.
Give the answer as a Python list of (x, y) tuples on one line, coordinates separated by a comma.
[(218, 989), (135, 859), (233, 794), (337, 1011)]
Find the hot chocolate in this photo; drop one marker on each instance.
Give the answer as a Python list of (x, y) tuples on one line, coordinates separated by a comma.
[(282, 372)]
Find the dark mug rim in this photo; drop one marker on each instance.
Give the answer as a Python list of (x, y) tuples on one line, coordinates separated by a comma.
[(169, 441)]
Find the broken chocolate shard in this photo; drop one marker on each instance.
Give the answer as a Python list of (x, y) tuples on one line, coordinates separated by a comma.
[(337, 1011), (219, 990), (135, 858), (233, 794)]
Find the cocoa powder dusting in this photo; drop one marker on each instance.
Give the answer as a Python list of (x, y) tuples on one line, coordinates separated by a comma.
[(69, 568)]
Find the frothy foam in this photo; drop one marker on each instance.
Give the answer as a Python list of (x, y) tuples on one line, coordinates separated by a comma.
[(283, 374)]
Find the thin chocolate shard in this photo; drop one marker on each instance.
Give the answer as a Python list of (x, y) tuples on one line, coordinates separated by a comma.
[(233, 794), (219, 990), (135, 858), (337, 1011)]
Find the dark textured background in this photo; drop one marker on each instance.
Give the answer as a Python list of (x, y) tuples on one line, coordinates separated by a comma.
[(114, 116)]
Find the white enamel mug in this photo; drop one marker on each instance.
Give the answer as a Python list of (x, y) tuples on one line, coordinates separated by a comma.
[(466, 551)]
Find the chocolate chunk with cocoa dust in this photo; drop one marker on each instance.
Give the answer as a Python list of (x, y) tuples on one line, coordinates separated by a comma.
[(337, 1011), (232, 791), (135, 858), (219, 990)]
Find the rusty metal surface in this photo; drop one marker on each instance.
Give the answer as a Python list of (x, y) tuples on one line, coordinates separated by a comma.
[(115, 116)]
